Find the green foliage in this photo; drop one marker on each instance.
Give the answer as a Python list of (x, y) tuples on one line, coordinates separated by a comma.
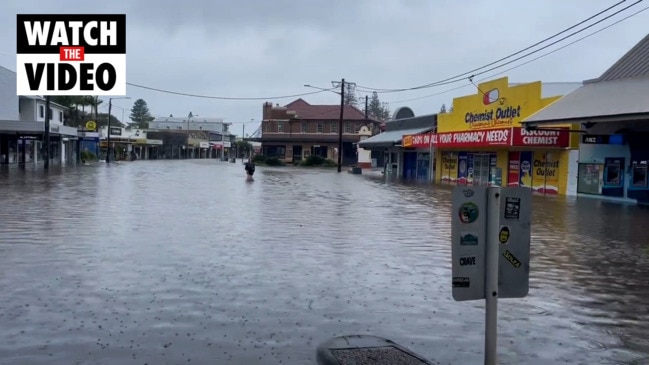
[(442, 110), (377, 109), (350, 95), (140, 114), (273, 161), (88, 156), (259, 159), (315, 160)]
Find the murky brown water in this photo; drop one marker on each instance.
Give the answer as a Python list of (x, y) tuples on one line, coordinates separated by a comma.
[(169, 262)]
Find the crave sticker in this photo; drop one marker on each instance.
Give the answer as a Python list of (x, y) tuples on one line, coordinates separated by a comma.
[(468, 212), (503, 235), (512, 208)]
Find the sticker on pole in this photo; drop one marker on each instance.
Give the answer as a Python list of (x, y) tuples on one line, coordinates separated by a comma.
[(71, 54), (468, 237), (468, 212), (512, 208), (514, 235), (503, 235)]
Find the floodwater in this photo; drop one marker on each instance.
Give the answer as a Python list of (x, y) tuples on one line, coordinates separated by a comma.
[(184, 262)]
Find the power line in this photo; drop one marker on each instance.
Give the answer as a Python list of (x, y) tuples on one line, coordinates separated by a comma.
[(529, 61), (462, 76), (224, 97)]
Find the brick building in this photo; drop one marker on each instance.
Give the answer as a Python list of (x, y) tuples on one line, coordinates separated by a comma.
[(299, 129)]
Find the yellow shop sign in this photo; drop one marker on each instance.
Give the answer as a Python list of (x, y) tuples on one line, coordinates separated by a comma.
[(495, 104)]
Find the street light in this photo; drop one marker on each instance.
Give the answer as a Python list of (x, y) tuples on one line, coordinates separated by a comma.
[(110, 107)]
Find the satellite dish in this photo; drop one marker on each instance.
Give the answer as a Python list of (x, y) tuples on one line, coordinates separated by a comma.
[(403, 113)]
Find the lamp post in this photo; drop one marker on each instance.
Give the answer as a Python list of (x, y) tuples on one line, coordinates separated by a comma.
[(110, 107)]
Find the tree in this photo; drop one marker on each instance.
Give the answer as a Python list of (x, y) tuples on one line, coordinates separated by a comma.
[(350, 95), (442, 110), (376, 109), (450, 110), (140, 114)]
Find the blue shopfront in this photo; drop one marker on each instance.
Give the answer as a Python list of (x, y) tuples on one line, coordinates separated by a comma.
[(88, 143), (614, 165)]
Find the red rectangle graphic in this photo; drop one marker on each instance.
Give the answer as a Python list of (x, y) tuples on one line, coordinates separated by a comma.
[(71, 54)]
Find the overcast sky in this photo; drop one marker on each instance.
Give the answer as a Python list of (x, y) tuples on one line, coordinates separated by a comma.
[(260, 48)]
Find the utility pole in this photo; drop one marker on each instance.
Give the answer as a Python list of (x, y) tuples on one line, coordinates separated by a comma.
[(110, 115), (110, 107), (367, 98), (342, 83), (340, 125), (46, 135)]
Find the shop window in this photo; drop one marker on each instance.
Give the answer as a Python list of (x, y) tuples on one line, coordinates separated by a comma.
[(41, 111), (639, 174), (275, 151), (590, 178)]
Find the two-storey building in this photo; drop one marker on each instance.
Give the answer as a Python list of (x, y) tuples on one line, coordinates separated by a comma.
[(22, 127), (298, 130)]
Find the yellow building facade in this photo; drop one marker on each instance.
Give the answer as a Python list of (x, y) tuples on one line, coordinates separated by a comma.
[(481, 141)]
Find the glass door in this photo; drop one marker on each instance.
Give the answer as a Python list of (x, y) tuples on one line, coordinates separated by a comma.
[(481, 169)]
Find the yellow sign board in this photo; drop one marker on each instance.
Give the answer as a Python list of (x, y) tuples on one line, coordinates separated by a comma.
[(407, 141), (496, 104), (91, 125)]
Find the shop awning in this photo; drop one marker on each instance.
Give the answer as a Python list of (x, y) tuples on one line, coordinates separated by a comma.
[(606, 101), (389, 138)]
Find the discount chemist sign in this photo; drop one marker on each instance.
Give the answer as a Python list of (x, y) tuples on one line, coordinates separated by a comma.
[(74, 54)]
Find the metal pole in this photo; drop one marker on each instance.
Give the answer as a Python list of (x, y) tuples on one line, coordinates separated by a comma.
[(491, 280), (110, 105), (46, 136), (340, 125)]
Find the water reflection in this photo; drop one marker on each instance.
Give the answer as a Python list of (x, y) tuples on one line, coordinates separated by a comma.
[(170, 261)]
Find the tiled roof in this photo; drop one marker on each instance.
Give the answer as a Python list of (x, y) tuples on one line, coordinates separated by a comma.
[(305, 110), (634, 63)]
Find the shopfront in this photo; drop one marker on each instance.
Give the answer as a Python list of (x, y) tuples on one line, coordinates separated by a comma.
[(538, 160), (614, 165), (417, 162), (481, 142)]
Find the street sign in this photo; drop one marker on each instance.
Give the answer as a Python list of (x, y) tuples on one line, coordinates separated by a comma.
[(490, 228), (469, 233), (514, 242), (91, 125)]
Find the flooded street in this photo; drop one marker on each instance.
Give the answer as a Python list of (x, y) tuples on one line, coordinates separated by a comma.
[(170, 262)]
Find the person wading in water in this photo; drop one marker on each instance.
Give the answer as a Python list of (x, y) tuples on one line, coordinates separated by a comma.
[(250, 169)]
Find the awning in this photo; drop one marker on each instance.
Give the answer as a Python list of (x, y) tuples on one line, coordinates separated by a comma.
[(389, 138), (606, 101)]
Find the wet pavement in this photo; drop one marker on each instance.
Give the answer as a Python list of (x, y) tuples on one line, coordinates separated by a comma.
[(170, 262)]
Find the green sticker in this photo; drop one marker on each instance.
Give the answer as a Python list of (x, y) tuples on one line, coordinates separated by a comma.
[(468, 212)]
